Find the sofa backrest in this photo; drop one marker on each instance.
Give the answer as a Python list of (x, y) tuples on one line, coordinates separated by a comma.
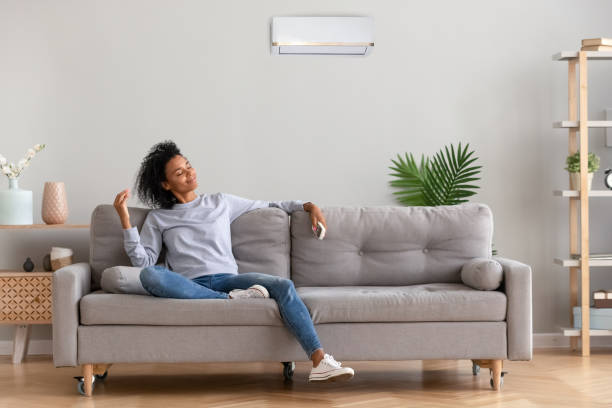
[(260, 241), (389, 245)]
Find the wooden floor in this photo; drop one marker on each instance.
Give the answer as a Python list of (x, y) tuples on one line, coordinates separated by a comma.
[(554, 378)]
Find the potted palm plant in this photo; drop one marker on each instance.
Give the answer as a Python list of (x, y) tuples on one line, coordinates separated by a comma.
[(573, 167)]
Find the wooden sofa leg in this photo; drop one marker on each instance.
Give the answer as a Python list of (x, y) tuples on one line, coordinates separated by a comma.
[(496, 370), (87, 377)]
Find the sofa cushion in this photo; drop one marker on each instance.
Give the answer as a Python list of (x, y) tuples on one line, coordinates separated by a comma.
[(100, 307), (260, 241), (433, 302), (482, 274), (389, 245)]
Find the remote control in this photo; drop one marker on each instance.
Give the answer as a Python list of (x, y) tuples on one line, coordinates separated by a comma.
[(320, 232)]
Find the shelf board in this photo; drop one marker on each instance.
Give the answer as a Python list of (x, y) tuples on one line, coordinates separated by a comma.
[(575, 263), (576, 124), (44, 226), (576, 193), (570, 331), (591, 55)]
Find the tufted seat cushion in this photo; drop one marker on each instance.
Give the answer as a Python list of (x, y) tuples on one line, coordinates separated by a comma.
[(344, 304), (433, 302), (100, 307)]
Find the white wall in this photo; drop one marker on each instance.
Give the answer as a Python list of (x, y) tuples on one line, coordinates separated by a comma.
[(101, 81)]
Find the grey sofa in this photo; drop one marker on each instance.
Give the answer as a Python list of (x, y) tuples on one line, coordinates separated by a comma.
[(384, 284)]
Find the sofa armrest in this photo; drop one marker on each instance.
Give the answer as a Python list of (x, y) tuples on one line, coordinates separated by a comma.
[(70, 284), (517, 286)]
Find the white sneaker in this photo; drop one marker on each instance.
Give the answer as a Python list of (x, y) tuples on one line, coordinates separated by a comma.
[(255, 291), (330, 370)]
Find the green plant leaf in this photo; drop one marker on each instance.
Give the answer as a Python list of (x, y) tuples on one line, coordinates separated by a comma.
[(410, 178), (442, 180)]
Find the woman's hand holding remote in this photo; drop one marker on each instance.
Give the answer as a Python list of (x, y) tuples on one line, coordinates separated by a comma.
[(121, 207), (316, 215)]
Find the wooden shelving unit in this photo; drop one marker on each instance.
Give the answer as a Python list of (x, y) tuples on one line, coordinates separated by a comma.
[(579, 200)]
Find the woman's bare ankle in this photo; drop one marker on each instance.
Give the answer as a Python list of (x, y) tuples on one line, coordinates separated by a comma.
[(317, 356)]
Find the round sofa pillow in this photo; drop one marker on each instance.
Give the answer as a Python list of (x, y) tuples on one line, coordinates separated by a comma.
[(482, 274)]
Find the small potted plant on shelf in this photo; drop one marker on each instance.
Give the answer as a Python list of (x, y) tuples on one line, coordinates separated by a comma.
[(573, 167)]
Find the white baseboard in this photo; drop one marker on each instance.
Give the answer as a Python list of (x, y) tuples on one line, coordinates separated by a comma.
[(34, 347), (540, 340)]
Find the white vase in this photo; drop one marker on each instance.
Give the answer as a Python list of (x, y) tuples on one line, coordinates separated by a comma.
[(575, 181), (15, 205)]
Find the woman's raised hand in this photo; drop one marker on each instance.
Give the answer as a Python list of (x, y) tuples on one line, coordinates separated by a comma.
[(316, 215), (120, 205)]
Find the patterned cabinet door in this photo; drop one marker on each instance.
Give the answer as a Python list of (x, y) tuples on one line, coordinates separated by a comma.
[(25, 297)]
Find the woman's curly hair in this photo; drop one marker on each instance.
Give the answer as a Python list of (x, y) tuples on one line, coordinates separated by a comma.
[(151, 174)]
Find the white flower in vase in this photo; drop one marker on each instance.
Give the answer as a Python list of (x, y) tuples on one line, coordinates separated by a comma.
[(13, 171)]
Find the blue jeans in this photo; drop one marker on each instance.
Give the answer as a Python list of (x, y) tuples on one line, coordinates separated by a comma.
[(162, 282)]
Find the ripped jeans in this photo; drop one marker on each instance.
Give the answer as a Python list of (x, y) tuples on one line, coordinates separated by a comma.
[(162, 282)]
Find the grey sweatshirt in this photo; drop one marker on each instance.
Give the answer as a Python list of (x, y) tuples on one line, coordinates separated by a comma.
[(196, 234)]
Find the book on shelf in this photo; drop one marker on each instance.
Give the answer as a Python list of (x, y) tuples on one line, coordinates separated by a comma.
[(602, 303), (597, 48), (597, 41), (602, 294)]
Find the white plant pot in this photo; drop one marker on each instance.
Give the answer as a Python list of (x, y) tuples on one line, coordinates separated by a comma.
[(575, 181), (15, 205)]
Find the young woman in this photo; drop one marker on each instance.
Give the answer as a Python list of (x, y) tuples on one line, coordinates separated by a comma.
[(199, 259)]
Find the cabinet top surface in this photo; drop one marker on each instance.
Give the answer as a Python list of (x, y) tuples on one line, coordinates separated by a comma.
[(45, 226), (13, 272)]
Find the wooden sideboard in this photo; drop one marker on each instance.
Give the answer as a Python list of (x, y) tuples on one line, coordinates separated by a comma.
[(25, 299)]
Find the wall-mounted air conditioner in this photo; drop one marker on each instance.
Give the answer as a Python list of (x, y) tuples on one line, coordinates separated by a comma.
[(322, 35)]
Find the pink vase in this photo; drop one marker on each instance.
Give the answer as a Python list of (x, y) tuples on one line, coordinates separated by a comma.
[(54, 203)]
